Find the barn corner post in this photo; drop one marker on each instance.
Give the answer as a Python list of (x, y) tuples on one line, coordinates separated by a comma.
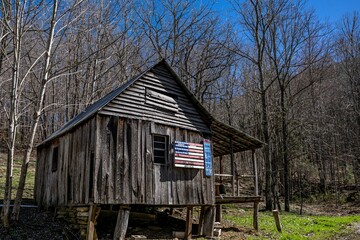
[(256, 191)]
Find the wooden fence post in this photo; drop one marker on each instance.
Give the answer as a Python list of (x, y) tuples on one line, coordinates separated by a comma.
[(277, 219), (256, 216)]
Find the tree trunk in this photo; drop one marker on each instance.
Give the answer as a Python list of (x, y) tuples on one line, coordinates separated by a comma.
[(266, 149), (13, 113), (285, 148), (26, 160)]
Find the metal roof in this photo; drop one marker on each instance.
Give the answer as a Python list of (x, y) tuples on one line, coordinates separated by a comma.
[(223, 135)]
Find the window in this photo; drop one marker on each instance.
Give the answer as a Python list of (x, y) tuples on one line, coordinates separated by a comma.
[(160, 145), (55, 159)]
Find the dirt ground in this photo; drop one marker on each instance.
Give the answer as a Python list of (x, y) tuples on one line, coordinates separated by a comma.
[(36, 224)]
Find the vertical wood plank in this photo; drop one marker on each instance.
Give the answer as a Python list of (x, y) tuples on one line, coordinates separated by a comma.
[(143, 160), (149, 173), (134, 163), (126, 182), (119, 162), (97, 177)]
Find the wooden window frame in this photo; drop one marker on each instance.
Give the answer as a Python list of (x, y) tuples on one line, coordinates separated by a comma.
[(158, 149)]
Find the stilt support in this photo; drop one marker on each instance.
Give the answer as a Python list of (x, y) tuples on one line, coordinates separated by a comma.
[(93, 214), (256, 216), (188, 229), (122, 223), (218, 217), (208, 222)]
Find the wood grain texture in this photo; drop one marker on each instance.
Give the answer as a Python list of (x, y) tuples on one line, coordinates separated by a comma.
[(157, 97)]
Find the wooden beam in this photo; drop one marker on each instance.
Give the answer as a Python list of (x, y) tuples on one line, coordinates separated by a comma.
[(239, 199), (122, 223), (188, 228)]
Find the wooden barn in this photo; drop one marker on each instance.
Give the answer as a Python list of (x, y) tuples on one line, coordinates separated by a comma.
[(148, 142)]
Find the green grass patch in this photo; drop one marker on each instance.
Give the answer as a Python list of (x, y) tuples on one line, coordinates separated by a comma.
[(30, 179), (296, 226)]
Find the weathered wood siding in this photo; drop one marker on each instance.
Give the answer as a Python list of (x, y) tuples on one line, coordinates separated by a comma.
[(109, 158), (70, 183), (157, 97), (126, 174)]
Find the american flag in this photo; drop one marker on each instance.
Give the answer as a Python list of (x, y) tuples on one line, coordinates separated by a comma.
[(189, 155)]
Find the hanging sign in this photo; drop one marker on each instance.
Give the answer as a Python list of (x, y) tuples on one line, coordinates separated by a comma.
[(208, 157), (189, 155)]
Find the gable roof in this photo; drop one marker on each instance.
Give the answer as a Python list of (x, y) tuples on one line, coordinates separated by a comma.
[(221, 133)]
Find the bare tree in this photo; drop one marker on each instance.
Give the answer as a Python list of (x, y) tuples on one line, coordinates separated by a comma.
[(255, 18), (39, 107), (187, 34), (17, 25), (288, 36), (349, 52)]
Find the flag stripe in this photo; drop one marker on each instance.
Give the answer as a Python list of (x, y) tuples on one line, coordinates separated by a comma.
[(187, 156), (189, 166), (189, 160)]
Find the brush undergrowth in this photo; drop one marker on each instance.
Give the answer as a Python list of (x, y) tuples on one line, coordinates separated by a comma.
[(30, 179)]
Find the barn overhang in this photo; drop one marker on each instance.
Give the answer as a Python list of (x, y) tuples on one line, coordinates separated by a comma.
[(227, 139)]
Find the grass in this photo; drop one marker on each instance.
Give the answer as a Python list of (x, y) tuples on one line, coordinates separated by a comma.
[(296, 226), (30, 178)]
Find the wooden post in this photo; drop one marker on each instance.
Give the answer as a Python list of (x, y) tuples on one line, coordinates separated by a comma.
[(238, 185), (209, 218), (221, 168), (188, 228), (256, 183), (256, 192), (201, 221), (256, 216), (122, 223), (232, 166), (91, 230), (277, 219), (218, 215)]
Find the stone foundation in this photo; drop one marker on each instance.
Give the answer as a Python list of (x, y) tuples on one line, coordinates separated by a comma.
[(78, 217)]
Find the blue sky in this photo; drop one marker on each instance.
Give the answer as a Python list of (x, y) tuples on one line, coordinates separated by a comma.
[(326, 10), (332, 10)]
